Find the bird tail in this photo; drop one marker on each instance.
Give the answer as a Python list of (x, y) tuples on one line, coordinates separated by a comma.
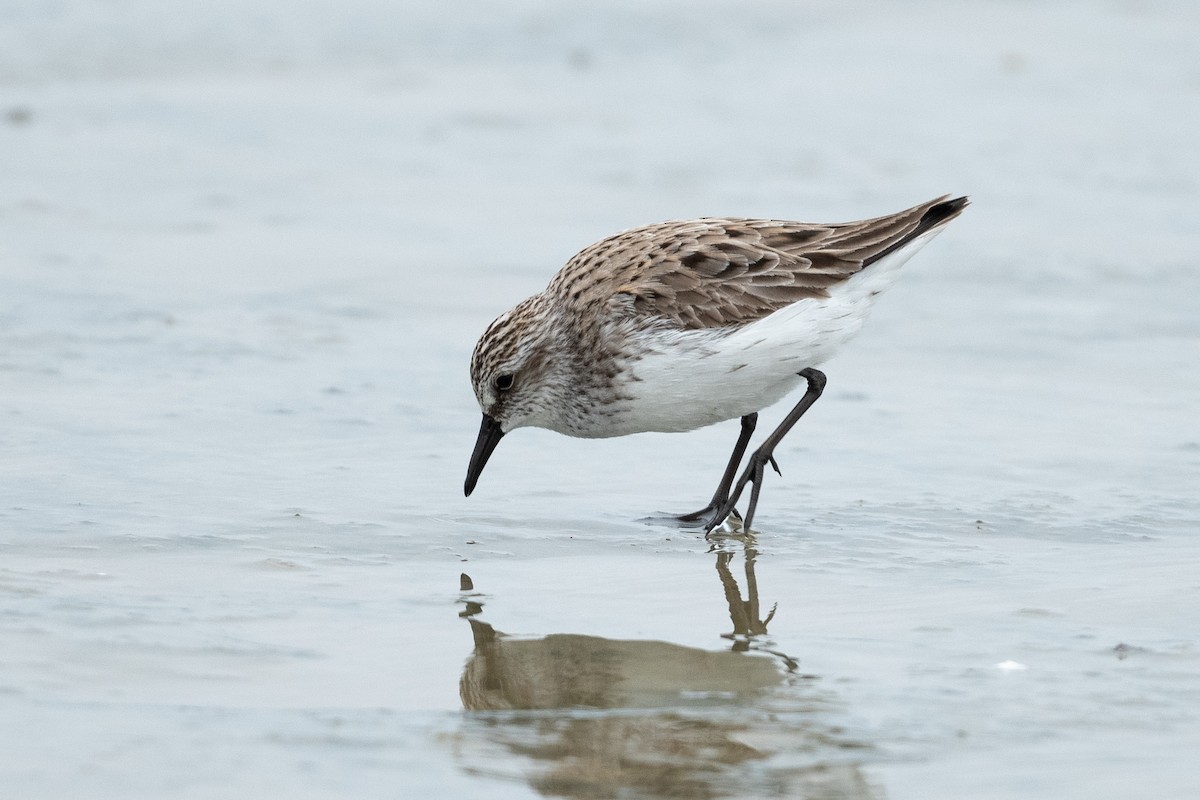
[(936, 215)]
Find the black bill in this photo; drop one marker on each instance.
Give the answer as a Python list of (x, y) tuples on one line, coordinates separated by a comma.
[(489, 436)]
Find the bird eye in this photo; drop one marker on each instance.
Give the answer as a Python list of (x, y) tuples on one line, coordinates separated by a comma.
[(504, 382)]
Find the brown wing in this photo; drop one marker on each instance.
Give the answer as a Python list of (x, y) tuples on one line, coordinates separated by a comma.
[(712, 273)]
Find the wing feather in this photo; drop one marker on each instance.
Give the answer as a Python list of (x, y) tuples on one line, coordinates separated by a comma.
[(723, 272)]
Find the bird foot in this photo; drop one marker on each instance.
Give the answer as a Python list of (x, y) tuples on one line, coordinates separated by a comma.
[(707, 517), (753, 474)]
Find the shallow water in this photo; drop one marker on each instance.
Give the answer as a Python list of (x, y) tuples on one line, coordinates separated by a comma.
[(244, 258)]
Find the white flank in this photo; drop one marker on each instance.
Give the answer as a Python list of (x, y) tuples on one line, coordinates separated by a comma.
[(689, 379)]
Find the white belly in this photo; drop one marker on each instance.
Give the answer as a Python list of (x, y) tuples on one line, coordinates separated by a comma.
[(688, 379)]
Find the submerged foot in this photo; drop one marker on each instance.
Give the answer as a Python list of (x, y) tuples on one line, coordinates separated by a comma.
[(708, 519)]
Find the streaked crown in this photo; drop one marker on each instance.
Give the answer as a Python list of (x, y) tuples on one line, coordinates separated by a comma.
[(510, 368)]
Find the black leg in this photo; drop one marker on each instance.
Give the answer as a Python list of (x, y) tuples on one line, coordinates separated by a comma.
[(765, 453), (721, 496)]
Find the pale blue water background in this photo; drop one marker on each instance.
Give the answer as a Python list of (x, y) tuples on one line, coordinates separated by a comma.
[(245, 250)]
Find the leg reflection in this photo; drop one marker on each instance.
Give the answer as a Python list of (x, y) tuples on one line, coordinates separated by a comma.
[(748, 624)]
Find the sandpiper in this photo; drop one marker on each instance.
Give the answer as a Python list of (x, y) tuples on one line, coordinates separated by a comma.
[(678, 325)]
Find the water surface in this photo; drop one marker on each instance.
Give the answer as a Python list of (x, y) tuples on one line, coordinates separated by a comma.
[(244, 257)]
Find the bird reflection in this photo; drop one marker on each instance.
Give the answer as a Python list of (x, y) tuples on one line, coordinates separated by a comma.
[(587, 717)]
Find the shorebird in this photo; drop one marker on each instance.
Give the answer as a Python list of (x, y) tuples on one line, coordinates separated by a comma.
[(679, 325)]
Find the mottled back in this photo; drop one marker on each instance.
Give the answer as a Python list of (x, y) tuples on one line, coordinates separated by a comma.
[(718, 272)]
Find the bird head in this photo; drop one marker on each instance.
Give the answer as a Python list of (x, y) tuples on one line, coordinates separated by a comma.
[(511, 375)]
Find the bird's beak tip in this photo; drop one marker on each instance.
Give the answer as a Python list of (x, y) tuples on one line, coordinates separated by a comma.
[(490, 434)]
